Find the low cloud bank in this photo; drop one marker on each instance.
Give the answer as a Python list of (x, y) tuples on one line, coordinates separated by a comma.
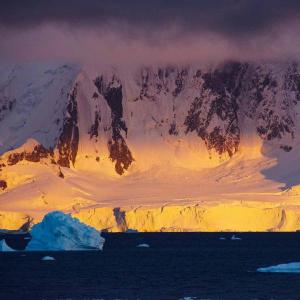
[(182, 32)]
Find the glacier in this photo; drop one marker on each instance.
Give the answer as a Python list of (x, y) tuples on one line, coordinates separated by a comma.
[(62, 232), (293, 267)]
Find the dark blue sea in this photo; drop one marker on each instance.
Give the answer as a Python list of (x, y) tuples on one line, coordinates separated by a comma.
[(175, 266)]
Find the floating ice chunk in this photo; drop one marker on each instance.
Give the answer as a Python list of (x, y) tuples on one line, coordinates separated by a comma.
[(48, 258), (4, 247), (59, 232), (293, 267), (235, 238), (222, 238), (143, 246)]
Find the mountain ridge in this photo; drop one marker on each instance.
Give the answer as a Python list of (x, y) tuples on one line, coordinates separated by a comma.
[(153, 126)]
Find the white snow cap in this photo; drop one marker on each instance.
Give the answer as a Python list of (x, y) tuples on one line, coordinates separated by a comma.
[(59, 231)]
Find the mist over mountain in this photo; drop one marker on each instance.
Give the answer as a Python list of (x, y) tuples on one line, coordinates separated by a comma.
[(134, 33)]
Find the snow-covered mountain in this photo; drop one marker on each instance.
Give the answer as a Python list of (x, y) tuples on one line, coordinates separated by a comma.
[(75, 139)]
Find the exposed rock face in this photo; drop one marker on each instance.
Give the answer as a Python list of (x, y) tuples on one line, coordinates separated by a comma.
[(39, 152), (119, 152), (270, 101), (69, 138), (94, 128), (120, 217), (2, 165), (6, 104), (173, 129), (292, 80), (3, 184), (214, 113)]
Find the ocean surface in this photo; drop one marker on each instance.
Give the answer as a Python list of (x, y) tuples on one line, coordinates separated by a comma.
[(175, 266)]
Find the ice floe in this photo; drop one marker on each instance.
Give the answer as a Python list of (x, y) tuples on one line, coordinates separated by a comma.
[(48, 258), (143, 246), (235, 238), (293, 267)]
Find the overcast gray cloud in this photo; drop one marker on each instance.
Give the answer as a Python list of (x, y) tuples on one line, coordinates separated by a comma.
[(226, 16), (145, 31)]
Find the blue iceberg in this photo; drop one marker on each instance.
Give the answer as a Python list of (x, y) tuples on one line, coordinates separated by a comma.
[(4, 247), (61, 232)]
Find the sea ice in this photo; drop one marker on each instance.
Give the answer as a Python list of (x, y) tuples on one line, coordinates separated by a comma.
[(48, 258), (235, 238), (59, 231), (293, 267), (143, 246)]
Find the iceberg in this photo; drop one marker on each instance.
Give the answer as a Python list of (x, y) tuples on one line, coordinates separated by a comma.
[(293, 267), (61, 232), (4, 247)]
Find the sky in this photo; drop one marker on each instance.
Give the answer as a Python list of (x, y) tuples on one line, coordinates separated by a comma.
[(143, 32)]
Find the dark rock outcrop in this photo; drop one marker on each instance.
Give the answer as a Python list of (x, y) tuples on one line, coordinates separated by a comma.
[(94, 128), (3, 184), (268, 103), (39, 152), (6, 105), (173, 129), (118, 149), (120, 217), (69, 138), (214, 114)]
